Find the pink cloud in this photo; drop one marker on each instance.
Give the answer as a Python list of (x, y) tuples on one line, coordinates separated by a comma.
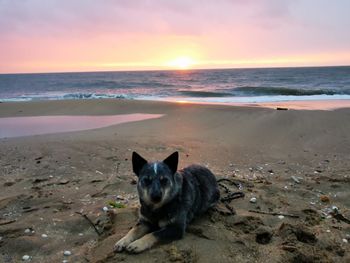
[(79, 31)]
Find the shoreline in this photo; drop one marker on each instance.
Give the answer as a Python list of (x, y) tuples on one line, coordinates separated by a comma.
[(8, 109), (307, 105), (292, 104)]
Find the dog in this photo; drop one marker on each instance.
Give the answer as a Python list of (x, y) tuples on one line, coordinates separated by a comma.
[(169, 199)]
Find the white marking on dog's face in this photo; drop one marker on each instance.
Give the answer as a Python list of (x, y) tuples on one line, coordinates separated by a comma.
[(155, 167)]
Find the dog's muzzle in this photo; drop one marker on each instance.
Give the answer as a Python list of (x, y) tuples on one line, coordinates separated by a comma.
[(156, 193)]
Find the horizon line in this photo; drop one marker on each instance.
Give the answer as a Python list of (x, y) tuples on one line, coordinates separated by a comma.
[(180, 70)]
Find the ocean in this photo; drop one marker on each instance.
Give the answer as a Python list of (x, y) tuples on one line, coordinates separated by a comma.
[(214, 85)]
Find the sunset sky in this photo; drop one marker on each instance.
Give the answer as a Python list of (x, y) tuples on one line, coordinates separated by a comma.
[(88, 35)]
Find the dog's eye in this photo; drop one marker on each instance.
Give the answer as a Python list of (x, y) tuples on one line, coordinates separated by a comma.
[(163, 180), (146, 181)]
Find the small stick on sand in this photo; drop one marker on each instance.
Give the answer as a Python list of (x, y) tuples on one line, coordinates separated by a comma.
[(273, 213), (90, 222), (340, 217), (6, 222)]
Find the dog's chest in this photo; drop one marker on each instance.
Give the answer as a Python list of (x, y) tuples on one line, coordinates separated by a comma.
[(161, 223), (165, 222), (160, 218)]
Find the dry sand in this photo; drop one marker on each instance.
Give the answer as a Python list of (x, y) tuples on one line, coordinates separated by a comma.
[(288, 160)]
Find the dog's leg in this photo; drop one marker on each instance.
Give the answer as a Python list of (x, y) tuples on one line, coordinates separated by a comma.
[(169, 233), (136, 232)]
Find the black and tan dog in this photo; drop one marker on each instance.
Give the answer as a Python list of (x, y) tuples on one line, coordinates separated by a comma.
[(169, 199)]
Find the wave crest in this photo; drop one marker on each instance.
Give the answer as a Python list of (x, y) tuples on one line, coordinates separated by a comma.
[(68, 96), (270, 91)]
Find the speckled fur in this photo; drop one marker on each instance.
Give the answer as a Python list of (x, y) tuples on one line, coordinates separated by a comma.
[(170, 200)]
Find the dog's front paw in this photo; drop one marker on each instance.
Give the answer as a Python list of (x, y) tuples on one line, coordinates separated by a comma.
[(142, 244), (121, 244), (139, 245)]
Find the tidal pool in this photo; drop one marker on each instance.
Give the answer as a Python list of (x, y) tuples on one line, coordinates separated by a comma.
[(36, 125)]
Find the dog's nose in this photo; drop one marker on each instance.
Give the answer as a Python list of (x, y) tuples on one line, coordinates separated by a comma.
[(156, 197)]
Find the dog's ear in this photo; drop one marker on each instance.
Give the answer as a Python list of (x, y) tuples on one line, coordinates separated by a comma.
[(137, 163), (172, 161)]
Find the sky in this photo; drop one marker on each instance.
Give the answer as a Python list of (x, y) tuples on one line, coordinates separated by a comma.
[(89, 35)]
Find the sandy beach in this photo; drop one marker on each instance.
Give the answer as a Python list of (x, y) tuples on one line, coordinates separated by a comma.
[(296, 163)]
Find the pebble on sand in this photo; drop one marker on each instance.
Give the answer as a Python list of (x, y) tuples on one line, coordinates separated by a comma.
[(105, 208), (26, 258), (335, 209), (345, 240), (27, 231), (324, 198), (253, 200), (295, 179), (44, 235), (280, 216), (120, 197), (67, 253)]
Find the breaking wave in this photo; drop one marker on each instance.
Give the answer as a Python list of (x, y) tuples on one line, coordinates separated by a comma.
[(272, 91), (260, 91), (69, 96)]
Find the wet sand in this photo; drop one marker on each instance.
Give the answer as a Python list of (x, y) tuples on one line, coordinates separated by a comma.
[(294, 162), (308, 105)]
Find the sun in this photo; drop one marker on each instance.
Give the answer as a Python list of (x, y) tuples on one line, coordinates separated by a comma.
[(182, 63)]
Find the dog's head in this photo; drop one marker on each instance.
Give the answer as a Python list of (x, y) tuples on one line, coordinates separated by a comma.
[(158, 182)]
